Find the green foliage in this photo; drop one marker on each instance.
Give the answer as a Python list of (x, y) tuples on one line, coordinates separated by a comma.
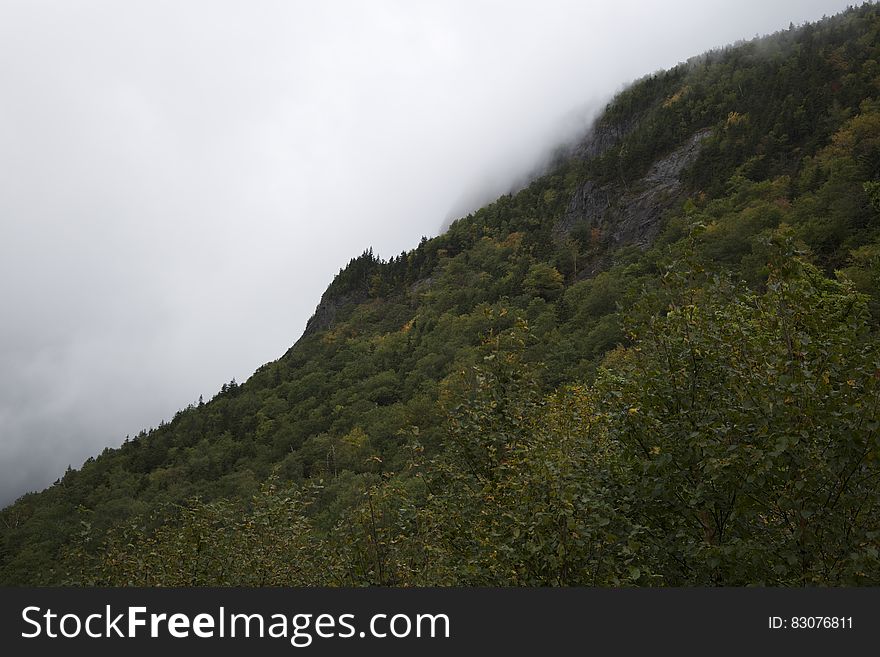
[(735, 441), (531, 399), (752, 422), (872, 190), (525, 494), (268, 542), (543, 280)]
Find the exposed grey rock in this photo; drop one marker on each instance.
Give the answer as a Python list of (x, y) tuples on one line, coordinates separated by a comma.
[(589, 203), (642, 206), (328, 308), (421, 285), (601, 137), (633, 218), (621, 216)]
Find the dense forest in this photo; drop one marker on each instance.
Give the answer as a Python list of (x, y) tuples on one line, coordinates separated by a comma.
[(655, 365)]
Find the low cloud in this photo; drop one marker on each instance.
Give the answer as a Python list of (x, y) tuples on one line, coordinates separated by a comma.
[(180, 181)]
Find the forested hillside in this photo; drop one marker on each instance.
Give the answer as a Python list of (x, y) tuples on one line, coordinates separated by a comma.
[(657, 364)]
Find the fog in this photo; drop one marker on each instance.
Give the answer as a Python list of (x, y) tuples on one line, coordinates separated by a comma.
[(179, 181)]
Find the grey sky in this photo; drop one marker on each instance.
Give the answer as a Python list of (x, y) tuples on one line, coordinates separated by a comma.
[(179, 181)]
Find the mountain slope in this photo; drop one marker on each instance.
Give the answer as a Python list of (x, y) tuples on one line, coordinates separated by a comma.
[(728, 163)]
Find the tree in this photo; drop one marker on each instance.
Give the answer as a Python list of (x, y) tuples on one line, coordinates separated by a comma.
[(269, 542), (752, 423), (543, 280)]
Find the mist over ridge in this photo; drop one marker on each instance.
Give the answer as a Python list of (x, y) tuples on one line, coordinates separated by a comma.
[(181, 182)]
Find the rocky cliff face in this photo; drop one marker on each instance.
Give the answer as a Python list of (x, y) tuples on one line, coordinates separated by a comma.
[(630, 216), (328, 309), (637, 212), (601, 137), (619, 216)]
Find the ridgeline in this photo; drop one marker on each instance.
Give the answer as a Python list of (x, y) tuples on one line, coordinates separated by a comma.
[(657, 364)]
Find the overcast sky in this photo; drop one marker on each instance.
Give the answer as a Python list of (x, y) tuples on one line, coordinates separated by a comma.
[(179, 181)]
